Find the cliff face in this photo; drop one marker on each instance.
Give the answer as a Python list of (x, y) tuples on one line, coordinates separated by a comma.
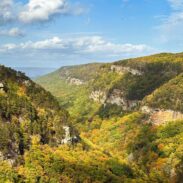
[(122, 70), (161, 116), (98, 96), (116, 97), (131, 110), (74, 81), (124, 84)]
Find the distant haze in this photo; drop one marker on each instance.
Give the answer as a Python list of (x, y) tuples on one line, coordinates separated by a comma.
[(34, 72)]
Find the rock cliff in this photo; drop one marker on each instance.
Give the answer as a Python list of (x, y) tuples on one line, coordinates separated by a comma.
[(74, 81), (122, 70), (98, 96), (161, 116), (115, 97)]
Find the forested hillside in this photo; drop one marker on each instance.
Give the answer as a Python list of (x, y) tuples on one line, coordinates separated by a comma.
[(124, 123), (130, 111), (114, 88), (27, 111)]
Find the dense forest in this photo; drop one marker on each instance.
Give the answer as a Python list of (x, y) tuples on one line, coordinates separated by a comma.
[(125, 122)]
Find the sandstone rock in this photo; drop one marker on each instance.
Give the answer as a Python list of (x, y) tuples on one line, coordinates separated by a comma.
[(117, 97), (161, 116), (27, 83), (146, 109), (122, 70), (74, 81), (1, 156), (98, 96), (164, 116), (1, 87), (67, 139)]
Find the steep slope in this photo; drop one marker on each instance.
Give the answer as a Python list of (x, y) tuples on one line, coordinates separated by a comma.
[(156, 151), (111, 89), (31, 139), (135, 117), (71, 87), (168, 96), (27, 110), (129, 116)]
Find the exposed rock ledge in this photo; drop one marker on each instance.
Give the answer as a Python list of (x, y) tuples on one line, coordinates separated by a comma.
[(8, 160), (75, 81), (68, 139), (116, 97), (1, 87), (122, 70), (159, 116), (98, 96)]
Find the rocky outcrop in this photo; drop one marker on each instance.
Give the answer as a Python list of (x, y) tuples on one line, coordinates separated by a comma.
[(67, 139), (122, 70), (75, 81), (160, 116), (1, 87), (117, 97), (146, 109), (98, 96), (9, 160), (1, 156), (27, 83)]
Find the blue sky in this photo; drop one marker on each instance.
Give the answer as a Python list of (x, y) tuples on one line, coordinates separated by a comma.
[(53, 33)]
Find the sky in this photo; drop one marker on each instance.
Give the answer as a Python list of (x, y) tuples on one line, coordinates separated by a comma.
[(55, 33)]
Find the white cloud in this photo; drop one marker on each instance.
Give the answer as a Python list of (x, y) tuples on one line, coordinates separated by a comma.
[(43, 10), (13, 32), (36, 10), (176, 4), (52, 43), (96, 45), (171, 27), (6, 11)]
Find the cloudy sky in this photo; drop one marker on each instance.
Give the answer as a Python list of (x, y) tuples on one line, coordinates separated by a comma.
[(53, 33)]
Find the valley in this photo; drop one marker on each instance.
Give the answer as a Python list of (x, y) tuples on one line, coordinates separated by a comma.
[(114, 122), (131, 109)]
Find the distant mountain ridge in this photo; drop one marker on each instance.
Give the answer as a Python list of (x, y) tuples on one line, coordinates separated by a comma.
[(34, 72)]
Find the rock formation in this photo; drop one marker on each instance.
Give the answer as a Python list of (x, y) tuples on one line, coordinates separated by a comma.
[(67, 139), (161, 116), (117, 97), (98, 96), (75, 81), (122, 70)]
